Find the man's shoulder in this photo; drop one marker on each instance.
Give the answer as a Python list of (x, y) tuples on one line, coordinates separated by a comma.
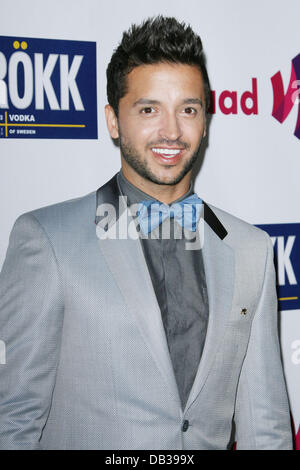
[(70, 212), (239, 232)]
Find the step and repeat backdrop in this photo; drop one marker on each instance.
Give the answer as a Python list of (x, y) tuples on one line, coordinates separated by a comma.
[(54, 144)]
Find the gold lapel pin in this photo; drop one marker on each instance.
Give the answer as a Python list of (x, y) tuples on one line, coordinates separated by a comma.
[(243, 311)]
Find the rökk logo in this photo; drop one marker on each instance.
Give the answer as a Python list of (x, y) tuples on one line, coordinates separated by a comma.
[(47, 88), (284, 102)]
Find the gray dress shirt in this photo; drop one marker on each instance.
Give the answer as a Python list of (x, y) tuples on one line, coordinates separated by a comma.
[(178, 280)]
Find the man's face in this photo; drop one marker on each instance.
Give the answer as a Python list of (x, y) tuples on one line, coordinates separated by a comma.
[(161, 122)]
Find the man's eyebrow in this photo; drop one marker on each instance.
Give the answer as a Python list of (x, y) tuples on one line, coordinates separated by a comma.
[(148, 101), (145, 101), (193, 101)]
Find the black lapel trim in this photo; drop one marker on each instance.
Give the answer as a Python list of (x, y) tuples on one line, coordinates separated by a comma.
[(109, 194), (213, 221)]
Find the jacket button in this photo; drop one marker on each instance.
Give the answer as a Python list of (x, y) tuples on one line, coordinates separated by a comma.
[(185, 425)]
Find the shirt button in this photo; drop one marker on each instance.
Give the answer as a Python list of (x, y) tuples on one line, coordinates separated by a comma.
[(185, 425)]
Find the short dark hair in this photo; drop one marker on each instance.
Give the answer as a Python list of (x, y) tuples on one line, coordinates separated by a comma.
[(157, 39)]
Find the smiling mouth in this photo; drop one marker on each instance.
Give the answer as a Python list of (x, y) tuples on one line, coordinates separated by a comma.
[(168, 153)]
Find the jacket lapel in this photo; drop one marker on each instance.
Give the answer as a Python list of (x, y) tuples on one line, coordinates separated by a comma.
[(218, 258)]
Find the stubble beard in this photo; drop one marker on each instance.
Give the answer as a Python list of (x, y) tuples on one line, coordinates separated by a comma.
[(136, 162)]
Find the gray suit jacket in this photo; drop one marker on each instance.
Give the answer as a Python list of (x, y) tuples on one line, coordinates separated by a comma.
[(87, 362)]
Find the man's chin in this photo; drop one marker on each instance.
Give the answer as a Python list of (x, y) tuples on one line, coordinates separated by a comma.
[(169, 179)]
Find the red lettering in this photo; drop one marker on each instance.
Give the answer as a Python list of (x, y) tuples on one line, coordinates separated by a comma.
[(253, 109), (228, 101), (233, 96)]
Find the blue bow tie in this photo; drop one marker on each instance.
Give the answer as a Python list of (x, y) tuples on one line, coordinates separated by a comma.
[(152, 213)]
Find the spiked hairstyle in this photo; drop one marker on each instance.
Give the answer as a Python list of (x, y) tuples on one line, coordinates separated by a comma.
[(158, 39)]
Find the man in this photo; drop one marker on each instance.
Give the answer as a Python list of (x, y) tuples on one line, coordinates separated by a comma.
[(142, 340)]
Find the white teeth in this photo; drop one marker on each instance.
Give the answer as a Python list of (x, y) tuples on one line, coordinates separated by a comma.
[(166, 152)]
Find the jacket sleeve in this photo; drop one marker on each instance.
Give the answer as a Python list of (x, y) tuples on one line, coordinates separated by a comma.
[(31, 319), (262, 416)]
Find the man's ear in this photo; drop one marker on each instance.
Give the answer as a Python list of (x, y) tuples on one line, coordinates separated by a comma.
[(111, 121)]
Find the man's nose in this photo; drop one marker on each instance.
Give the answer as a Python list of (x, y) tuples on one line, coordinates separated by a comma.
[(170, 127)]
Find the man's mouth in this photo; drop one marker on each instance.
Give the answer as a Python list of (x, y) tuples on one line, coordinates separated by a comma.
[(170, 154)]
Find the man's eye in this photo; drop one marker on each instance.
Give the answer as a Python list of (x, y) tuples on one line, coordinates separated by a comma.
[(147, 110), (190, 110)]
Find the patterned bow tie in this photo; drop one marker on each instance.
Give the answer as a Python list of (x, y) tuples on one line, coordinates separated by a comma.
[(152, 213)]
